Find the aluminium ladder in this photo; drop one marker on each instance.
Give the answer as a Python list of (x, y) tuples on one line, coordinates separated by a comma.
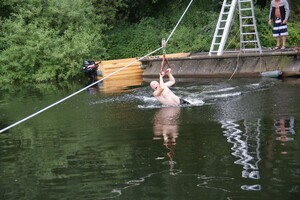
[(249, 40)]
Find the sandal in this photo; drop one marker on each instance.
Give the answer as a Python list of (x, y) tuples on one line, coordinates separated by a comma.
[(276, 48), (283, 47)]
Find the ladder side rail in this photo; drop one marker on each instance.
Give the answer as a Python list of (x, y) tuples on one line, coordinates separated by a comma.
[(241, 25), (217, 27), (255, 28), (227, 27)]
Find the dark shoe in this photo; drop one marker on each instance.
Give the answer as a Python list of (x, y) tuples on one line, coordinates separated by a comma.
[(276, 48)]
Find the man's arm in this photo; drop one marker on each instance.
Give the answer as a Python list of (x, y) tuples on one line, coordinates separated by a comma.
[(171, 79), (161, 84), (287, 11)]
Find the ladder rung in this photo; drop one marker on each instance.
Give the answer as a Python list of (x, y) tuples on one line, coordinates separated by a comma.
[(228, 5), (247, 17), (219, 36), (225, 13), (221, 28), (251, 33), (216, 44), (250, 41), (245, 9), (252, 49), (242, 1), (247, 25)]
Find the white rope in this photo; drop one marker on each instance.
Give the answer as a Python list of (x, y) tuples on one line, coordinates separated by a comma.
[(54, 104), (237, 65), (179, 21)]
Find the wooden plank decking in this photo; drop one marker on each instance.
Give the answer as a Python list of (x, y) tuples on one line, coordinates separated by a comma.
[(129, 76)]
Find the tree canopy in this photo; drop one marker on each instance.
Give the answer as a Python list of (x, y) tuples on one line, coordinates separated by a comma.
[(47, 40)]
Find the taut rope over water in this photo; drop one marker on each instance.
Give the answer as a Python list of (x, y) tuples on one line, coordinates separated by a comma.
[(75, 93)]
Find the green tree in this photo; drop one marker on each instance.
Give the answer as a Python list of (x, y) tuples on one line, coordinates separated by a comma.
[(43, 40), (48, 40)]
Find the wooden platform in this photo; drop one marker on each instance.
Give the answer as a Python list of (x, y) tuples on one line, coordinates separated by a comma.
[(129, 76), (174, 55)]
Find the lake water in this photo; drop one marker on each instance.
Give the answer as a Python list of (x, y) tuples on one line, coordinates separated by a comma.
[(241, 143)]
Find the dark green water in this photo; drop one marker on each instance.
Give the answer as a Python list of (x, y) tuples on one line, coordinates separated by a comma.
[(242, 143)]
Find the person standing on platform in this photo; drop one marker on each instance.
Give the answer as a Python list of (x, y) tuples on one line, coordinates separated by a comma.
[(279, 14)]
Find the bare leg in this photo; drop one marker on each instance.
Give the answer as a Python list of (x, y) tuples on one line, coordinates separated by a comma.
[(278, 41), (283, 40)]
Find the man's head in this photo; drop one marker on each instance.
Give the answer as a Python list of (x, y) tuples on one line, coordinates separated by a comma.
[(154, 85)]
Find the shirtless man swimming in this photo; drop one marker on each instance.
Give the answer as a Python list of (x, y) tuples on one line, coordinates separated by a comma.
[(162, 92)]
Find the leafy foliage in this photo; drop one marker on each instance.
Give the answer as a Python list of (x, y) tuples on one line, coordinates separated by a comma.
[(48, 40)]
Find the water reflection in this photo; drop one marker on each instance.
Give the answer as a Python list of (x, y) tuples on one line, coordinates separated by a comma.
[(284, 128), (246, 147), (69, 153), (165, 126), (94, 89)]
